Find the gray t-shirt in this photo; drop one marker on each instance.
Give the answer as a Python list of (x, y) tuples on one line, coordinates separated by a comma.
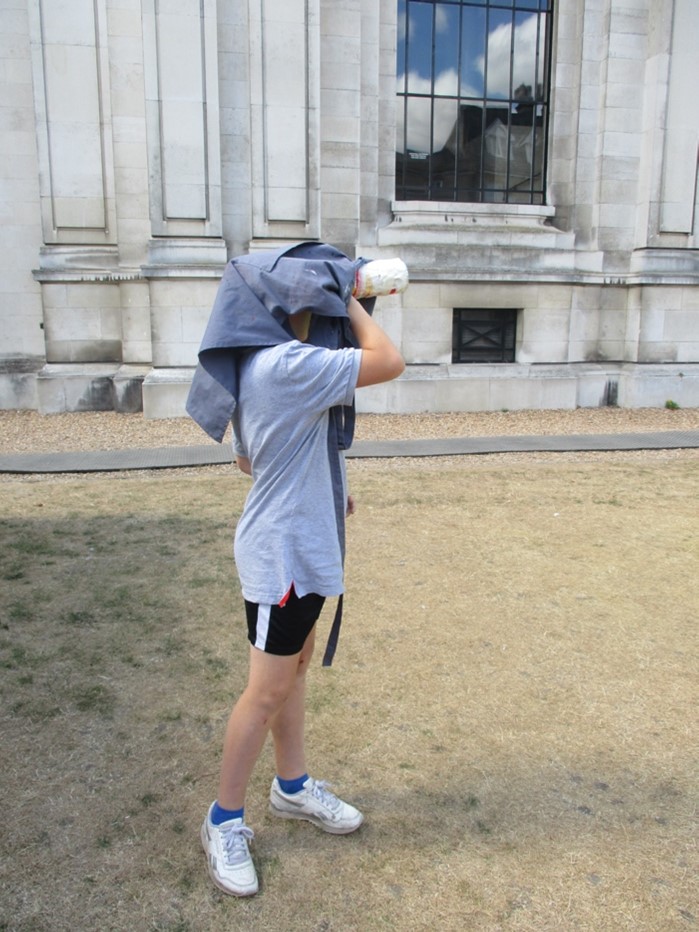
[(288, 532)]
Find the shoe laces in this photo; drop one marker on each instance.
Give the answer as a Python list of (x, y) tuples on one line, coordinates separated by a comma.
[(235, 840), (322, 793)]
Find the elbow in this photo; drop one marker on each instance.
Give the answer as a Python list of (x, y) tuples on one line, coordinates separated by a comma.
[(384, 368), (398, 365)]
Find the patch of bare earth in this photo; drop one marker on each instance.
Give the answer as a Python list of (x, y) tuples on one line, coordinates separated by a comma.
[(512, 702)]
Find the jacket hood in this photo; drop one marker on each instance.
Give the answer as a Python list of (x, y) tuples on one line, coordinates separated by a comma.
[(255, 298)]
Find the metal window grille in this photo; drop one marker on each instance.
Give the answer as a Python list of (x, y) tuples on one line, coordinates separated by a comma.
[(483, 335), (473, 85)]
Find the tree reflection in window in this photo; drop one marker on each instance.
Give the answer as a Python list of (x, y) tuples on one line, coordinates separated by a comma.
[(473, 100)]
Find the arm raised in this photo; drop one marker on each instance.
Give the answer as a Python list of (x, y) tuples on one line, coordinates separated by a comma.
[(381, 361)]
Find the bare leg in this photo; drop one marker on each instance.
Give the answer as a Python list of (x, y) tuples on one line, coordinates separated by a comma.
[(271, 682), (288, 724)]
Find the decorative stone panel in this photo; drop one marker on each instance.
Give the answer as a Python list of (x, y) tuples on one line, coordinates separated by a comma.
[(73, 120)]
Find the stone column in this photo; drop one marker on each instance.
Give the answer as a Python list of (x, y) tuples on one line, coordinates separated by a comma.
[(72, 99), (186, 252)]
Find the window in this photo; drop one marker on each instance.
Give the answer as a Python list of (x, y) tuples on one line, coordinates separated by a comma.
[(473, 100), (483, 335)]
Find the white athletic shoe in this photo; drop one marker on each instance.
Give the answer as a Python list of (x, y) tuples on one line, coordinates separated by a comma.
[(316, 804), (227, 856)]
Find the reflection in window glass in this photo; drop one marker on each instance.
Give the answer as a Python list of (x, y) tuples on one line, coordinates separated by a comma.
[(419, 120), (524, 55), (401, 68), (498, 60), (443, 144), (419, 43), (472, 84), (473, 49), (446, 49)]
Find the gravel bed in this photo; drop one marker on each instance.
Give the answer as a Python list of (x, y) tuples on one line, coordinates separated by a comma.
[(29, 432)]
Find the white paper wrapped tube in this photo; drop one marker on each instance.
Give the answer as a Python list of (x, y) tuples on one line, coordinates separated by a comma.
[(380, 277)]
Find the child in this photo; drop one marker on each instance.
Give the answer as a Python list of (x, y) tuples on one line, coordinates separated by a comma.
[(289, 543)]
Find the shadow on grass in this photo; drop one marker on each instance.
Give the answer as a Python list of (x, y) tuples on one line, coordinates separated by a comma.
[(114, 688)]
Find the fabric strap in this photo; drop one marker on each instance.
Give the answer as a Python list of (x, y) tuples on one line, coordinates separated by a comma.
[(334, 635)]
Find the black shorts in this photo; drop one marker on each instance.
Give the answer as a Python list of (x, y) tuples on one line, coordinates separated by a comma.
[(283, 629)]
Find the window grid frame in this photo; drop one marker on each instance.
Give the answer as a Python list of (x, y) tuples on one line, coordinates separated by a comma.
[(540, 103)]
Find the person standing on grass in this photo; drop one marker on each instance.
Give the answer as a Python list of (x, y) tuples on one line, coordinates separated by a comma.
[(289, 542)]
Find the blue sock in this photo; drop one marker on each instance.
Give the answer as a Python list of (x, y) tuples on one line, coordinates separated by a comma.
[(293, 786), (219, 814)]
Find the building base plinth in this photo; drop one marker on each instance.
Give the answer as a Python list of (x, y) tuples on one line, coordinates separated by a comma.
[(165, 392), (162, 393)]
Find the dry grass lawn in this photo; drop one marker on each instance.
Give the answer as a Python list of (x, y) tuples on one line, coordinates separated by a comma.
[(513, 703)]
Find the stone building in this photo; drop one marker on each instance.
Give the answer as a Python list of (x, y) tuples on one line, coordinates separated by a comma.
[(534, 162)]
